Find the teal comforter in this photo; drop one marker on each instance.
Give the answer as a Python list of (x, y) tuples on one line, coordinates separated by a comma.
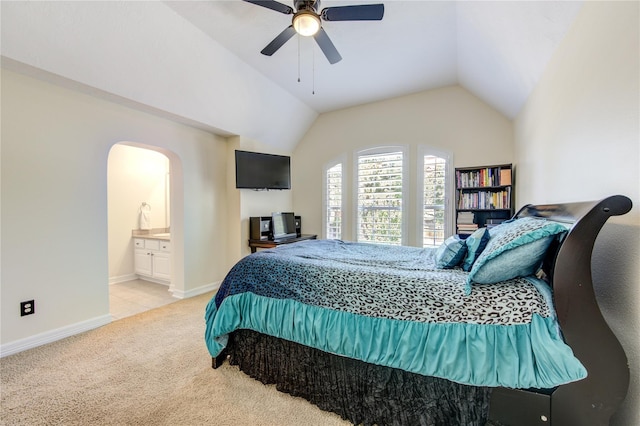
[(390, 306)]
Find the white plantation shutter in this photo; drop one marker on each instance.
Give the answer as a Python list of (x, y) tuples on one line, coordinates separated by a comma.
[(333, 202), (379, 197), (433, 206)]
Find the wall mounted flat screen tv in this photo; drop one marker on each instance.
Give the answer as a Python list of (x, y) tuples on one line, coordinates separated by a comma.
[(256, 170)]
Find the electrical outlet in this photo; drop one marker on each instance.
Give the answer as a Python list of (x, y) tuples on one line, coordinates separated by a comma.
[(27, 308)]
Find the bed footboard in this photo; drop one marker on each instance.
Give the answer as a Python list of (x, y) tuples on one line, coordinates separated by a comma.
[(593, 400)]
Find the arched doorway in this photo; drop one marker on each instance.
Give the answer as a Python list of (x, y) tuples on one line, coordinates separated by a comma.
[(143, 178)]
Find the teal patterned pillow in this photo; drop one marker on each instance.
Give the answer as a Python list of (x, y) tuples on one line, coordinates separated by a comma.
[(450, 253), (476, 242), (499, 228), (517, 251)]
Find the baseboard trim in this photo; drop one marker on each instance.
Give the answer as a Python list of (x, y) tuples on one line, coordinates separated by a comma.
[(53, 335), (73, 329), (152, 280), (122, 278), (180, 294)]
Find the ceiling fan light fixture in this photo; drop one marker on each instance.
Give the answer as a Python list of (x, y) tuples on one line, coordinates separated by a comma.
[(306, 23)]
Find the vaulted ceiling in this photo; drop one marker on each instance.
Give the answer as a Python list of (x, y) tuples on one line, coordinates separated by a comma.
[(200, 62), (497, 50)]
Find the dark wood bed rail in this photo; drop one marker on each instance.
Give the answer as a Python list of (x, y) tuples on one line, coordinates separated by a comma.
[(594, 399)]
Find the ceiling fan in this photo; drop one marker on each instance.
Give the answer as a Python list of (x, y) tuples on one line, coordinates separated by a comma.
[(308, 22)]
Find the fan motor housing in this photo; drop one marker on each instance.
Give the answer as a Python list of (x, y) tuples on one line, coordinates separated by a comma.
[(307, 5)]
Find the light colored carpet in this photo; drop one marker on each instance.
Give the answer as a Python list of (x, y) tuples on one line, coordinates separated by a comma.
[(149, 369)]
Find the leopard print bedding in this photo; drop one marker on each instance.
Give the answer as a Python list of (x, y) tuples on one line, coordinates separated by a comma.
[(392, 282)]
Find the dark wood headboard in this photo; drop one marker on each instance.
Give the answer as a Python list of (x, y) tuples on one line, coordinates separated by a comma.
[(594, 399)]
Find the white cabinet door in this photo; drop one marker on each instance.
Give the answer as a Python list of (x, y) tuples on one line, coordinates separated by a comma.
[(142, 262), (161, 265), (152, 259)]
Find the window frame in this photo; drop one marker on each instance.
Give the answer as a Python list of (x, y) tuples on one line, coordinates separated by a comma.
[(379, 150), (424, 150), (342, 161)]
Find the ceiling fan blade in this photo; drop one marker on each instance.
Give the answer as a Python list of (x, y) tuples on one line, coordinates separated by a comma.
[(327, 46), (273, 5), (363, 12), (277, 42)]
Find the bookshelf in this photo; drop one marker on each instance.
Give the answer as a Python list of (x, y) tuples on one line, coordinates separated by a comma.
[(484, 197)]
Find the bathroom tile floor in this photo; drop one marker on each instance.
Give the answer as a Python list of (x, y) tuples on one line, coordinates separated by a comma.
[(132, 297)]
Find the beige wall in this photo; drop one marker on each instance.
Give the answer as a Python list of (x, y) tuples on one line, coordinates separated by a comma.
[(449, 119), (248, 202), (578, 138), (55, 147)]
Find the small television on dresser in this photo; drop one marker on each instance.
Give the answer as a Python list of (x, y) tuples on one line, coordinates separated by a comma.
[(255, 170), (283, 226)]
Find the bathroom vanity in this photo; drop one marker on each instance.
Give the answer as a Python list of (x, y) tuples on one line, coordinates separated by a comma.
[(152, 256)]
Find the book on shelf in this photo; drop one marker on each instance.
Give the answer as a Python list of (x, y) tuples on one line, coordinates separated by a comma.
[(483, 177), (466, 217), (485, 200), (505, 177), (465, 223)]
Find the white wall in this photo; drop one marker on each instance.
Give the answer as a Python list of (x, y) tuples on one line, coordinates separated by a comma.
[(134, 175), (55, 146), (578, 138), (449, 119)]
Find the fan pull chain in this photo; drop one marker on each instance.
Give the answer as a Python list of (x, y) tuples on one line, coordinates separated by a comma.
[(298, 58), (313, 73)]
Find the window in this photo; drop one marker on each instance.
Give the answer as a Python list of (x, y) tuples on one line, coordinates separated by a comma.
[(379, 196), (389, 195), (333, 202), (434, 175)]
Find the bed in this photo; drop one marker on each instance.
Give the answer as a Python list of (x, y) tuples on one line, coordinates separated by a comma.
[(501, 328)]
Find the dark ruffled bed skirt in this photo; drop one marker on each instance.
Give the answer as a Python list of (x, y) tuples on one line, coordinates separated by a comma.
[(359, 392)]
